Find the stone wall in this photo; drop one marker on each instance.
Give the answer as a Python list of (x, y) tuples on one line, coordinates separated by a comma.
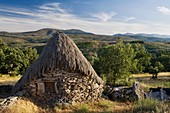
[(68, 87)]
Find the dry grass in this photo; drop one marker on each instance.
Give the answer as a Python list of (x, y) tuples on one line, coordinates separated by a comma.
[(162, 74), (102, 106), (155, 83), (147, 82), (24, 105), (6, 80)]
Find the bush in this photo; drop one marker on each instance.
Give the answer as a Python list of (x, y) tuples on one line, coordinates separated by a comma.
[(125, 82), (83, 109), (146, 105)]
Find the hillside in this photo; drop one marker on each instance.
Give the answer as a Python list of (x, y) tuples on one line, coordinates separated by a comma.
[(37, 39)]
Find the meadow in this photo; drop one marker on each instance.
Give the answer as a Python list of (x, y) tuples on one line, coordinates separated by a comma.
[(26, 105)]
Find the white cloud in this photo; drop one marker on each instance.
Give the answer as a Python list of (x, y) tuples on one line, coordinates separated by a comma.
[(52, 7), (129, 18), (54, 16), (17, 12), (164, 10), (103, 16)]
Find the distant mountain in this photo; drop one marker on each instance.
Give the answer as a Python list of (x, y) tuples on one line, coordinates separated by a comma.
[(49, 31), (75, 31), (153, 35), (146, 37), (40, 37)]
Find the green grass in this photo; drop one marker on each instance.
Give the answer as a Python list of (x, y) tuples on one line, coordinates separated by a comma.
[(83, 109), (147, 82), (145, 105), (154, 83), (100, 106), (150, 106)]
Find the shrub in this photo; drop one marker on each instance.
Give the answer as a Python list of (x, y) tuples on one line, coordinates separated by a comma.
[(84, 108), (146, 105), (163, 108)]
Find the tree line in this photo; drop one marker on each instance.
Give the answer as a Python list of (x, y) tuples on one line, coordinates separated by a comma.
[(116, 62)]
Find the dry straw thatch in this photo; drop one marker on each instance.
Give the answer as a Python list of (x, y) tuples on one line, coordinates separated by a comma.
[(62, 53)]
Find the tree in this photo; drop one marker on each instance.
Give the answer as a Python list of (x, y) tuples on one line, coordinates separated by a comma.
[(30, 54), (3, 48), (15, 60), (141, 60), (89, 50), (116, 61), (164, 60), (154, 70)]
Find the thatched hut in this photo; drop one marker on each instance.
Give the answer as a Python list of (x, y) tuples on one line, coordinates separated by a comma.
[(61, 72)]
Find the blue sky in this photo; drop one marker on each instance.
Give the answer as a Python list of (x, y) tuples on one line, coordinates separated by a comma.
[(96, 16)]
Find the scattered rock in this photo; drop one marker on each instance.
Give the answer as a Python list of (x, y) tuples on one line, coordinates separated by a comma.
[(138, 91), (159, 93), (135, 92)]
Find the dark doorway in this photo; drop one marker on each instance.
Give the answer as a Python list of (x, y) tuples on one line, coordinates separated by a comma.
[(50, 87)]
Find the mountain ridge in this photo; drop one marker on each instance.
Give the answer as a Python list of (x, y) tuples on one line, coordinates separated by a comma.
[(42, 35), (146, 37), (144, 34)]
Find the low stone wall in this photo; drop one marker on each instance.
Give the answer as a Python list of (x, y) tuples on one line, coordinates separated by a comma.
[(135, 92), (159, 93)]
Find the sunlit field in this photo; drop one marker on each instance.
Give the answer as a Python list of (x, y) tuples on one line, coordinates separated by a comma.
[(8, 80), (162, 74)]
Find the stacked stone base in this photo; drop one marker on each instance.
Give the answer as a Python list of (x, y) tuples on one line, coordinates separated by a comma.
[(68, 88)]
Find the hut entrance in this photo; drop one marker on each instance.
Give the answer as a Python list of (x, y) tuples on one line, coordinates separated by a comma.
[(50, 87)]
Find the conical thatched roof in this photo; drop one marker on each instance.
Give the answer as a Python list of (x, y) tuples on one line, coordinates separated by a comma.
[(60, 52)]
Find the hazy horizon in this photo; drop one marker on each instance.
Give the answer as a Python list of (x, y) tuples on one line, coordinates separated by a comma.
[(97, 16)]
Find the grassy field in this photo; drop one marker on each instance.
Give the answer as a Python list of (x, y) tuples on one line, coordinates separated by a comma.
[(147, 82), (6, 80), (102, 106), (26, 105), (162, 74)]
